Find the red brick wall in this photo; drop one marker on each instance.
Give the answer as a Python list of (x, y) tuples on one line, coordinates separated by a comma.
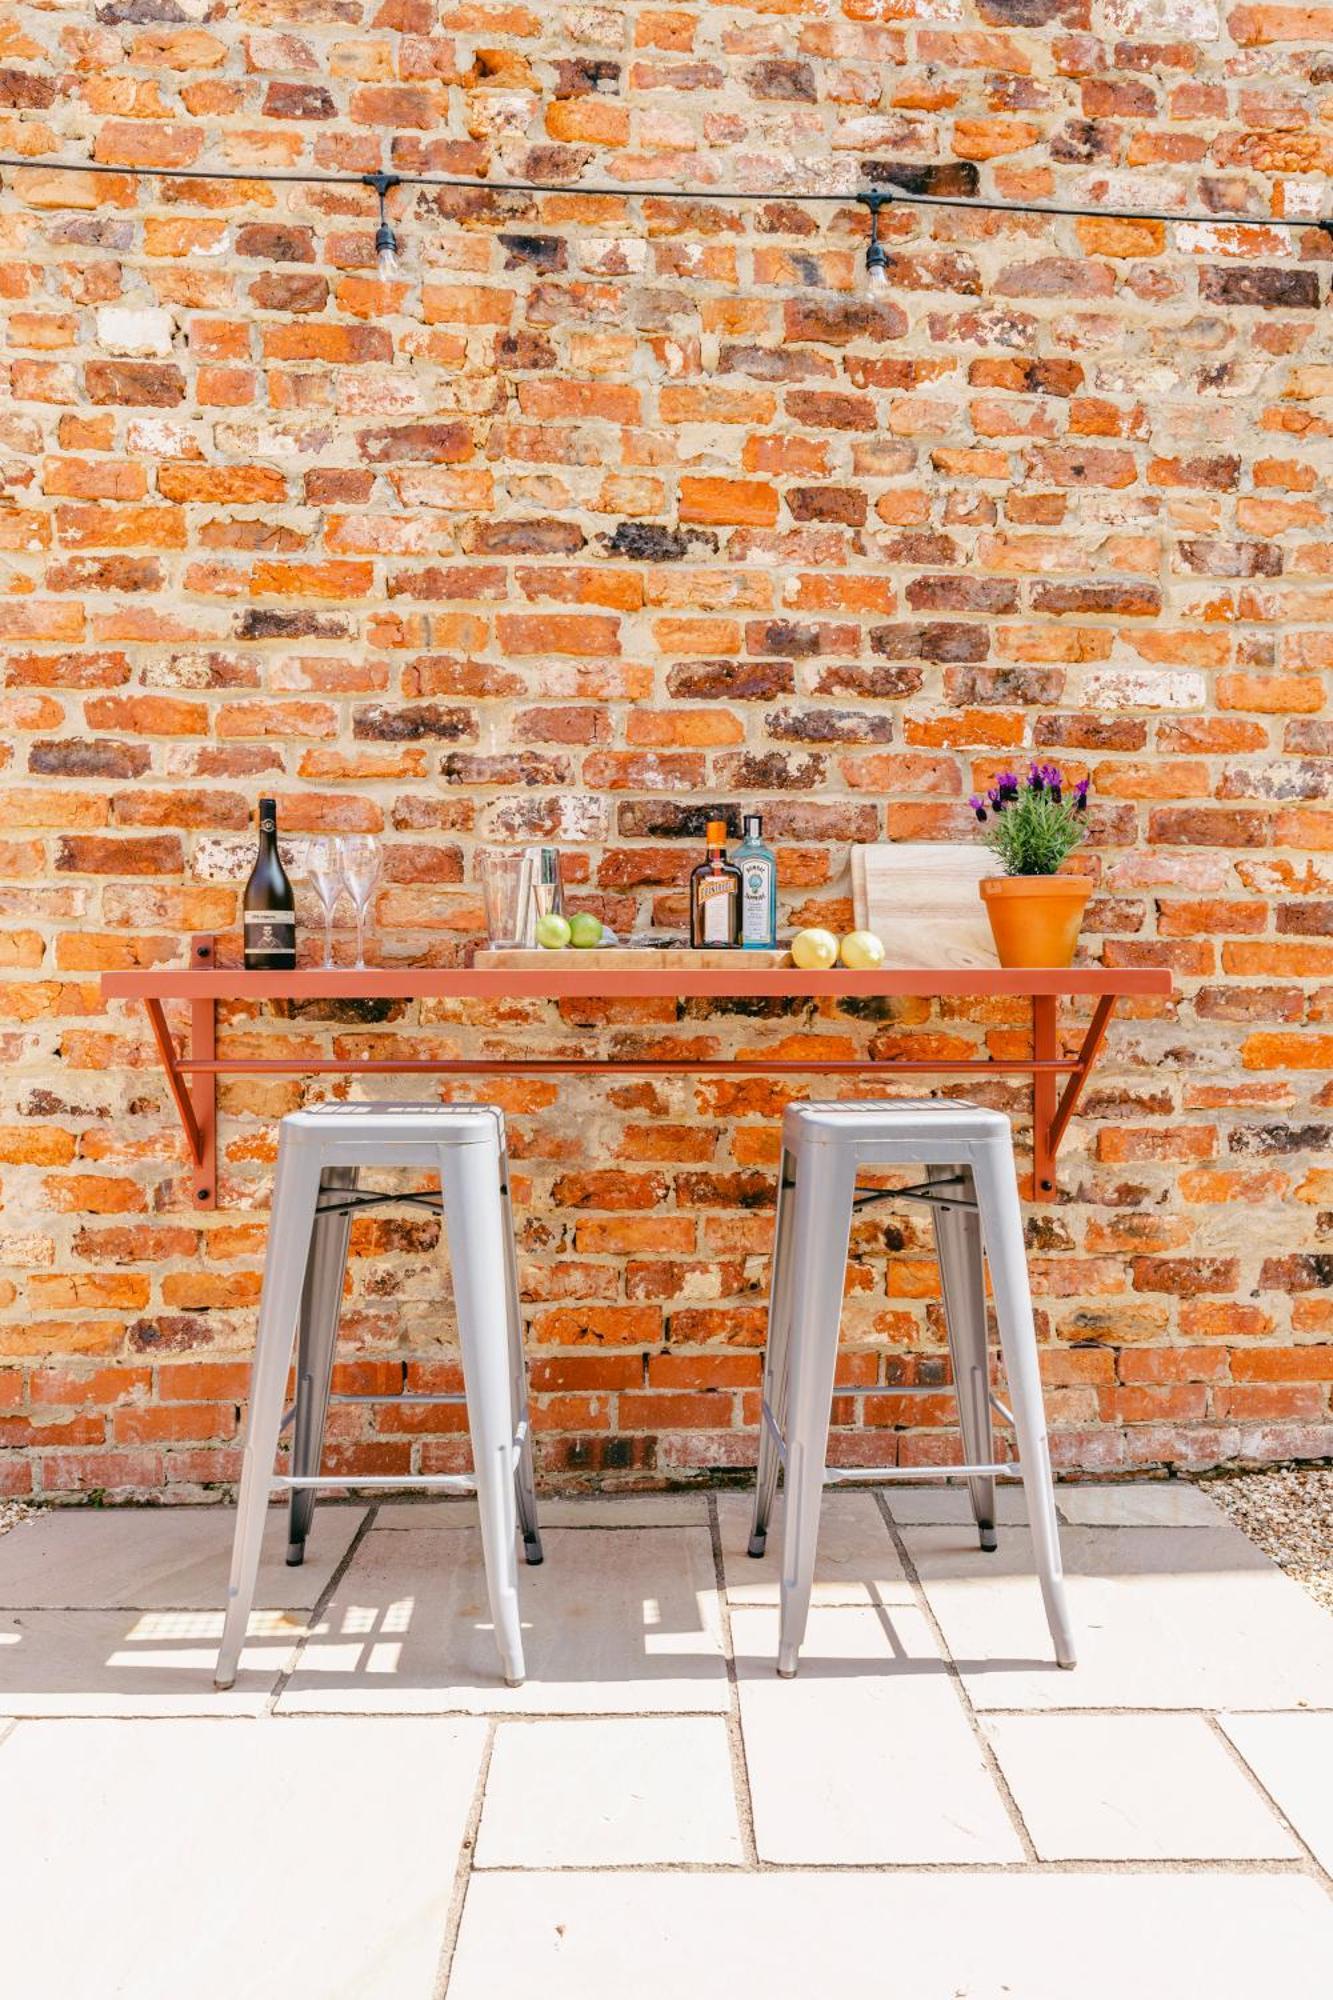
[(650, 501)]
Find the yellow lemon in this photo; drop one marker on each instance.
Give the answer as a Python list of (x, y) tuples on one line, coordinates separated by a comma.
[(814, 950), (861, 951)]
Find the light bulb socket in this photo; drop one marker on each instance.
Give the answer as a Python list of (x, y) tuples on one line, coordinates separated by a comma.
[(386, 242), (877, 257)]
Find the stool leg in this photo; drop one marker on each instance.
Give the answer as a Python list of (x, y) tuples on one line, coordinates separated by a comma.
[(775, 1358), (822, 1204), (291, 1221), (963, 1282), (316, 1340), (525, 1488), (1002, 1226), (474, 1222)]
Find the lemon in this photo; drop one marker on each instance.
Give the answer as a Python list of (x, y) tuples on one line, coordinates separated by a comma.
[(861, 951), (814, 950), (585, 930), (552, 931)]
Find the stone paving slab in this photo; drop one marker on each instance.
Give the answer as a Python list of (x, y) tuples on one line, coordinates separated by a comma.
[(614, 1621), (906, 1936), (596, 1510), (146, 1861), (856, 1562), (162, 1558), (137, 1663), (592, 1793), (1168, 1503), (938, 1504), (1292, 1757), (867, 1756), (1134, 1788), (1163, 1619)]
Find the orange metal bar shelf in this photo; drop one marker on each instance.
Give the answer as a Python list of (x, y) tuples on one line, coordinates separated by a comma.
[(192, 1075)]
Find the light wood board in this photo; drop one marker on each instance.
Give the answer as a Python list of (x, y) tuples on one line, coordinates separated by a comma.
[(616, 958), (921, 898)]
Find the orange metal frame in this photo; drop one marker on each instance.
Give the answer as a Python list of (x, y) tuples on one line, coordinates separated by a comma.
[(192, 1076)]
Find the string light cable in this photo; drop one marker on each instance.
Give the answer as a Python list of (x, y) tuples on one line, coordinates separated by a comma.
[(874, 200)]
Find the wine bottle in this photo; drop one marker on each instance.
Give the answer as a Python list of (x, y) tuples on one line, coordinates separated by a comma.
[(269, 907), (715, 894)]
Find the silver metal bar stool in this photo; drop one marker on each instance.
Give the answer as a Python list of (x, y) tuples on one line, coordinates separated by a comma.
[(320, 1155), (973, 1193)]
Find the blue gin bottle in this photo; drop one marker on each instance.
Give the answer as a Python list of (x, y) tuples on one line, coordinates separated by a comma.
[(759, 887)]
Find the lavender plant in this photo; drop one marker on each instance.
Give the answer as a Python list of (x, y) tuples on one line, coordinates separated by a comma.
[(1032, 827)]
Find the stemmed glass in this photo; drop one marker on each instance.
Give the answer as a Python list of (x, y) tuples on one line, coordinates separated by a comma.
[(323, 866), (359, 854)]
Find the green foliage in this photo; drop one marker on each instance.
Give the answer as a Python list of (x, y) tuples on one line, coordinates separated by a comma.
[(1033, 827)]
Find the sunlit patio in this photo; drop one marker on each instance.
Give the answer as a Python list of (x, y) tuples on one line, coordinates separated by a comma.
[(654, 1811)]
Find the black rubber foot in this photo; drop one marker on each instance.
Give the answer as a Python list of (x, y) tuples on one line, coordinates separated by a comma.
[(758, 1543), (532, 1550), (990, 1541), (295, 1554)]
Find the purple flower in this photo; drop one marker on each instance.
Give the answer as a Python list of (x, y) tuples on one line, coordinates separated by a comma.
[(1081, 795)]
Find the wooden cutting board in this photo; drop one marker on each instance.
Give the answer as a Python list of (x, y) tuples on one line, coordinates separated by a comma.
[(921, 898), (613, 958)]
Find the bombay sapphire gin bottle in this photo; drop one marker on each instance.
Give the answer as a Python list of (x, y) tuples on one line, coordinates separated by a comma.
[(759, 887)]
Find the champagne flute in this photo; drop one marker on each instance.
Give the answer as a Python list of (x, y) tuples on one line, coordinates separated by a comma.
[(323, 866), (360, 856)]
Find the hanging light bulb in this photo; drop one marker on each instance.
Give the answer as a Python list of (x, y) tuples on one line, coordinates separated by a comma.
[(877, 257), (386, 253), (386, 242)]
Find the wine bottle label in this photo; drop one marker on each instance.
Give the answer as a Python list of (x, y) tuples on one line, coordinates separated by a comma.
[(270, 930)]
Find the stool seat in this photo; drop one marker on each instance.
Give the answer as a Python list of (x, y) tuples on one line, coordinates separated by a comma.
[(870, 1122), (321, 1152), (971, 1189)]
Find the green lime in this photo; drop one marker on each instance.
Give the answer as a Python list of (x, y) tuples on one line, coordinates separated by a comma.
[(585, 930), (552, 931)]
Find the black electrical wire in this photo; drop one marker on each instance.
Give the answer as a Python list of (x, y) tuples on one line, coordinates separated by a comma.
[(888, 195)]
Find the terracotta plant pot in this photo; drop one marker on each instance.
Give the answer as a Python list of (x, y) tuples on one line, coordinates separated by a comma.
[(1035, 918)]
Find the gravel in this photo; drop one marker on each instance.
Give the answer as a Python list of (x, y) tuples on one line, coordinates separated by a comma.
[(12, 1512), (1289, 1514)]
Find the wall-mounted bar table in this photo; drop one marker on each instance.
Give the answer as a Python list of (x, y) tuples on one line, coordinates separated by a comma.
[(192, 1069)]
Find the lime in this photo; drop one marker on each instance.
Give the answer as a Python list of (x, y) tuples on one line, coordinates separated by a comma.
[(585, 930), (552, 931)]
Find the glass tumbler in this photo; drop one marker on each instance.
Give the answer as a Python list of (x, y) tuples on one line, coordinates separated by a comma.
[(502, 878)]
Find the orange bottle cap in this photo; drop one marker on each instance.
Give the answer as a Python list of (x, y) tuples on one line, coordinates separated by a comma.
[(717, 833)]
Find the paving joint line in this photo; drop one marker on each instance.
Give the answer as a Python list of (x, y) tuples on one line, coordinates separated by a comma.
[(740, 1768), (1031, 1871), (463, 1869), (318, 1608), (1313, 1864), (954, 1673)]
